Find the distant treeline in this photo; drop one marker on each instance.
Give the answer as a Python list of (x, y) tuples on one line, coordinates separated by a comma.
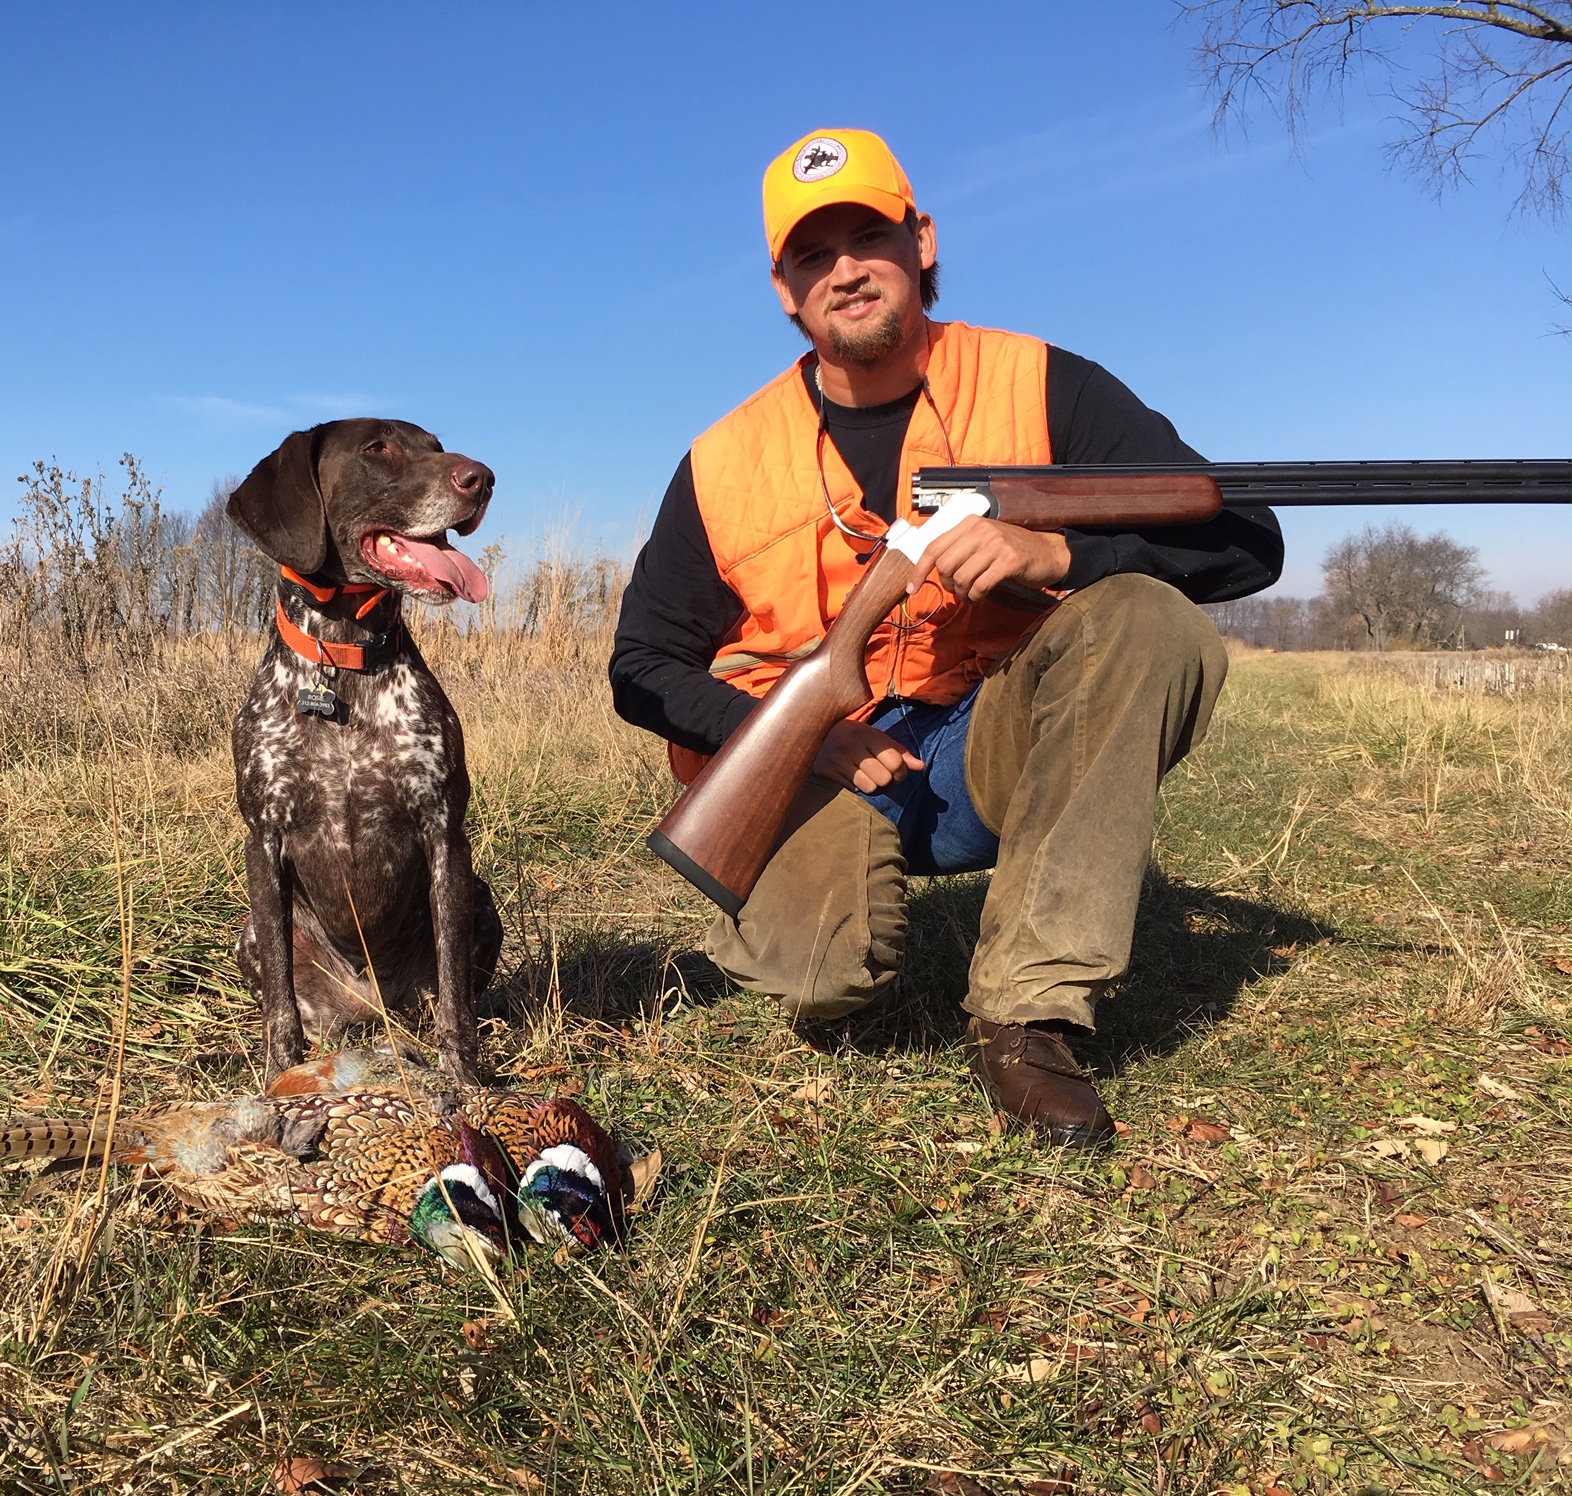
[(1393, 589)]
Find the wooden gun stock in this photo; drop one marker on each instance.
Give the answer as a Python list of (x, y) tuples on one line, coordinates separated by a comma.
[(723, 830)]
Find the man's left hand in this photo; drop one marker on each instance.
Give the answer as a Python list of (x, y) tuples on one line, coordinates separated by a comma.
[(978, 554)]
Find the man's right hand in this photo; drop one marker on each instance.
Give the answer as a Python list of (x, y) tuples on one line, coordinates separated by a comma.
[(859, 757)]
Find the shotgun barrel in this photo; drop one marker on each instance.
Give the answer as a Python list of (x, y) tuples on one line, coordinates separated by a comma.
[(1246, 485)]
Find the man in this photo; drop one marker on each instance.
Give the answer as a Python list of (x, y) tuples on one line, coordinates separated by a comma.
[(1027, 741)]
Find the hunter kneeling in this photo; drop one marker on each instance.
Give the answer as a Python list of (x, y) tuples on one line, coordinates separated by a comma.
[(1028, 741)]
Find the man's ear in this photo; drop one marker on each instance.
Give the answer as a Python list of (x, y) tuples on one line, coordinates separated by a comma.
[(280, 505), (788, 301)]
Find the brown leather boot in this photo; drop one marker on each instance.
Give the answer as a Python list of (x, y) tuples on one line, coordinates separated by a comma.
[(1029, 1069)]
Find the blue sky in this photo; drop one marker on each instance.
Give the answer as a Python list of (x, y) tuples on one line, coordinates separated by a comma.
[(535, 230)]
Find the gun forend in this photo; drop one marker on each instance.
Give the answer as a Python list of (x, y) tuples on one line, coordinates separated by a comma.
[(1070, 498)]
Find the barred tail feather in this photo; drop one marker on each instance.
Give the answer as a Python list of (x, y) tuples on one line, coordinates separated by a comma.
[(51, 1137)]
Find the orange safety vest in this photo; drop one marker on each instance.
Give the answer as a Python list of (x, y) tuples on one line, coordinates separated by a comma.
[(757, 481)]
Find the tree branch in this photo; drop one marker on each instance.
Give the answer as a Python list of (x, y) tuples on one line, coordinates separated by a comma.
[(1285, 51)]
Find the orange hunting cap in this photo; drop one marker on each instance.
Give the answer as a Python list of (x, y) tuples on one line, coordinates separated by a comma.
[(832, 166)]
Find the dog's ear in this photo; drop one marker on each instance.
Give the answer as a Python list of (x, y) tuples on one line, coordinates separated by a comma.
[(280, 505)]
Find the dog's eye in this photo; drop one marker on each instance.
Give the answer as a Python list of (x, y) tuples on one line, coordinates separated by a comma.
[(378, 447)]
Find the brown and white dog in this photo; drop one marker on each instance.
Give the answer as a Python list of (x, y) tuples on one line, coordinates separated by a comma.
[(349, 759)]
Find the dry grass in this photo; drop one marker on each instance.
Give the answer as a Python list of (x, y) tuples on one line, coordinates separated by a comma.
[(853, 1279)]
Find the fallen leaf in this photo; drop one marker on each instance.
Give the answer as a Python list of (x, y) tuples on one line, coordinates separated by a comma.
[(1208, 1132), (1389, 1148), (525, 1480), (639, 1180), (1493, 1087), (1152, 1423), (1427, 1126), (1123, 1129), (297, 1473), (1142, 1178), (1432, 1150), (1409, 1222), (1517, 1440), (816, 1090), (1059, 1485), (475, 1334), (1518, 1309), (1564, 966), (1176, 1124)]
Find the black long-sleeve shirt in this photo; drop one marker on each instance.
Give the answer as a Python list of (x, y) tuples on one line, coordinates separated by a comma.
[(677, 610)]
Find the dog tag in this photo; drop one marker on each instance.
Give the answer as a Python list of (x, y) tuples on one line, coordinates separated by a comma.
[(317, 701)]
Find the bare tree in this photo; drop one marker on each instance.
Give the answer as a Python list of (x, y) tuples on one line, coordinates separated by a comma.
[(236, 579), (1402, 588), (1498, 72), (1552, 617)]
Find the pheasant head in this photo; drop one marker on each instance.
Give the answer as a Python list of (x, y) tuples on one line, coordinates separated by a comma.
[(460, 1212), (562, 1198)]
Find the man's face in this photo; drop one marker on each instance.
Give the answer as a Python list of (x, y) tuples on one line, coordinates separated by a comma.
[(854, 278)]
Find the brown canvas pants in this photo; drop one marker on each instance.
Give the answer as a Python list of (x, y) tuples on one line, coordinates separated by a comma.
[(1070, 736)]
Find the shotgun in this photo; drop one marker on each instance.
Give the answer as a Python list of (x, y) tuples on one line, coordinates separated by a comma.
[(724, 828)]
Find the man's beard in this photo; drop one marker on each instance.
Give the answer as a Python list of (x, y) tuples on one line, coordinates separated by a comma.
[(868, 342)]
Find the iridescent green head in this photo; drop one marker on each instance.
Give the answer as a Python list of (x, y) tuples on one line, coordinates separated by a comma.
[(458, 1215)]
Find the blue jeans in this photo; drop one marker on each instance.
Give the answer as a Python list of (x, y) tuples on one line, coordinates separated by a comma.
[(940, 832)]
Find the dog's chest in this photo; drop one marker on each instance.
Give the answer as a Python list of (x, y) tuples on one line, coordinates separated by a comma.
[(391, 764)]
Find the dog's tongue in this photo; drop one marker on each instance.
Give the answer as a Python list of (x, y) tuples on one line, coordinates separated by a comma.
[(453, 569)]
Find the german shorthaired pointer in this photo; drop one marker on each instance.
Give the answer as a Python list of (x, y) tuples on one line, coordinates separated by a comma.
[(349, 759)]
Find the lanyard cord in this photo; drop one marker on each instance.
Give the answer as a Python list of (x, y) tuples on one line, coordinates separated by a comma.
[(818, 455), (876, 541)]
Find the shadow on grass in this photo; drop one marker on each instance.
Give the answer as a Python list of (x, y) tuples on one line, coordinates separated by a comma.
[(1195, 949), (604, 977)]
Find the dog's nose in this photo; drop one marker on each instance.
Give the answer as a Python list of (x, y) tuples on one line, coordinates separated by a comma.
[(472, 479)]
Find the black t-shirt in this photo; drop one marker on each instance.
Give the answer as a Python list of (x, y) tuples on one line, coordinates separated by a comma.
[(677, 610)]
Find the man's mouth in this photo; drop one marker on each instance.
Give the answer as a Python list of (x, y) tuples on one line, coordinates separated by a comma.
[(428, 565), (854, 308)]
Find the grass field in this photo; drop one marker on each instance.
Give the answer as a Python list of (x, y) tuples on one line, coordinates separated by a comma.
[(1329, 1254)]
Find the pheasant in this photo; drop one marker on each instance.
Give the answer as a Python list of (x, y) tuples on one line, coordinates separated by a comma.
[(373, 1146)]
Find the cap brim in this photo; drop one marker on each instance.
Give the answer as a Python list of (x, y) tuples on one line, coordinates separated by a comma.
[(891, 204)]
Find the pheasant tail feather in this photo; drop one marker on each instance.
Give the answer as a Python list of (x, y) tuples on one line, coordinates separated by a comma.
[(51, 1137)]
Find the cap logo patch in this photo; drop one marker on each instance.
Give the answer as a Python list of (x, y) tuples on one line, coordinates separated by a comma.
[(821, 157)]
